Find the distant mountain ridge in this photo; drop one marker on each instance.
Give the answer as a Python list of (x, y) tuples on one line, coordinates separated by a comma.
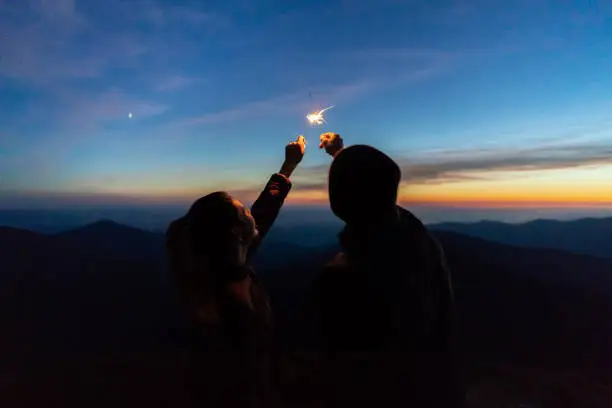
[(113, 239), (589, 236)]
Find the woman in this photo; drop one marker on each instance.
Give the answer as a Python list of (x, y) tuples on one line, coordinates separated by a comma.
[(209, 251)]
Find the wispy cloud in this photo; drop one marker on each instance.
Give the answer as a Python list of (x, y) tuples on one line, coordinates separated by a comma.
[(460, 166), (110, 105), (310, 183), (419, 54), (163, 15), (55, 8), (293, 103), (64, 49), (47, 41), (284, 104), (448, 167), (176, 82), (477, 164)]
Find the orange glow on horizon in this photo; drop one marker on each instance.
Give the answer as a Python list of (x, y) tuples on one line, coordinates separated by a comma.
[(440, 196), (560, 188), (320, 198)]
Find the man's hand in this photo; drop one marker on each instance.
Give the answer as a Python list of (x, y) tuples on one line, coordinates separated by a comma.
[(332, 143), (294, 152)]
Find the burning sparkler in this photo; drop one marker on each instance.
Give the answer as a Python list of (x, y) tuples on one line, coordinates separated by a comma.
[(317, 118)]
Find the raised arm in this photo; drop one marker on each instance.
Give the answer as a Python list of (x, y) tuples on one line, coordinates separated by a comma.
[(267, 206)]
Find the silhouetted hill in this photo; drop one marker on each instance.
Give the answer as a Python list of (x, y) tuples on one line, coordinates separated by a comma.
[(109, 239), (104, 289), (13, 240), (11, 235), (100, 287), (545, 307), (589, 236), (551, 265), (537, 306)]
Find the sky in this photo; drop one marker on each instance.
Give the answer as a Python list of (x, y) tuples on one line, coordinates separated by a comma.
[(484, 104)]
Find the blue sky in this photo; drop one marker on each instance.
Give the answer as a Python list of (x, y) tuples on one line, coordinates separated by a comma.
[(462, 93)]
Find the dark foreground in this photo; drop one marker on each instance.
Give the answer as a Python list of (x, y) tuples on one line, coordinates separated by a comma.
[(90, 320)]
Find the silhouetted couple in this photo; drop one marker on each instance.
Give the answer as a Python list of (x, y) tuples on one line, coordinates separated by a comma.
[(385, 303)]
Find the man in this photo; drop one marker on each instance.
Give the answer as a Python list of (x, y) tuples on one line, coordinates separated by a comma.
[(385, 303)]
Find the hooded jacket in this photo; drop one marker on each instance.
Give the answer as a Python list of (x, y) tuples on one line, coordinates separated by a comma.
[(385, 303), (387, 318)]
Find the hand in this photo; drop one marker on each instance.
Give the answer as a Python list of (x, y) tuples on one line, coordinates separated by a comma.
[(294, 153), (332, 143)]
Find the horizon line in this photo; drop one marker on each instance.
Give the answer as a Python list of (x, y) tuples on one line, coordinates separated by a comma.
[(320, 204)]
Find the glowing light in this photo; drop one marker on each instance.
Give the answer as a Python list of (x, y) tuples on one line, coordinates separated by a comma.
[(130, 115), (317, 118)]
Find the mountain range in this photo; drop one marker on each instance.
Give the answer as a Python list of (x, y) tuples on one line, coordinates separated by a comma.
[(590, 236), (104, 290)]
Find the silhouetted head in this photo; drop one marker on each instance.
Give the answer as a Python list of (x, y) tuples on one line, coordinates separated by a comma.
[(220, 229), (209, 242), (363, 184)]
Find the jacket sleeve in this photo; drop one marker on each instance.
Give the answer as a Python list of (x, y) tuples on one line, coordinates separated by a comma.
[(267, 206)]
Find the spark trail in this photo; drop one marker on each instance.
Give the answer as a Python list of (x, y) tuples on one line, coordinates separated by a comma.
[(317, 118)]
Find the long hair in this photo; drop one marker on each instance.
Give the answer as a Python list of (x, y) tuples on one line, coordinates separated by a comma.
[(201, 243)]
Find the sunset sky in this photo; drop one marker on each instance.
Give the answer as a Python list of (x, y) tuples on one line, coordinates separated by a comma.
[(483, 103)]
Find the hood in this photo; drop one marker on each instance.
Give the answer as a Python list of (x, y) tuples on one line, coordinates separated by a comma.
[(363, 184)]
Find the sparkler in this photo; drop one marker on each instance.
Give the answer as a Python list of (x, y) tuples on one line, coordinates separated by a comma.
[(317, 118)]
